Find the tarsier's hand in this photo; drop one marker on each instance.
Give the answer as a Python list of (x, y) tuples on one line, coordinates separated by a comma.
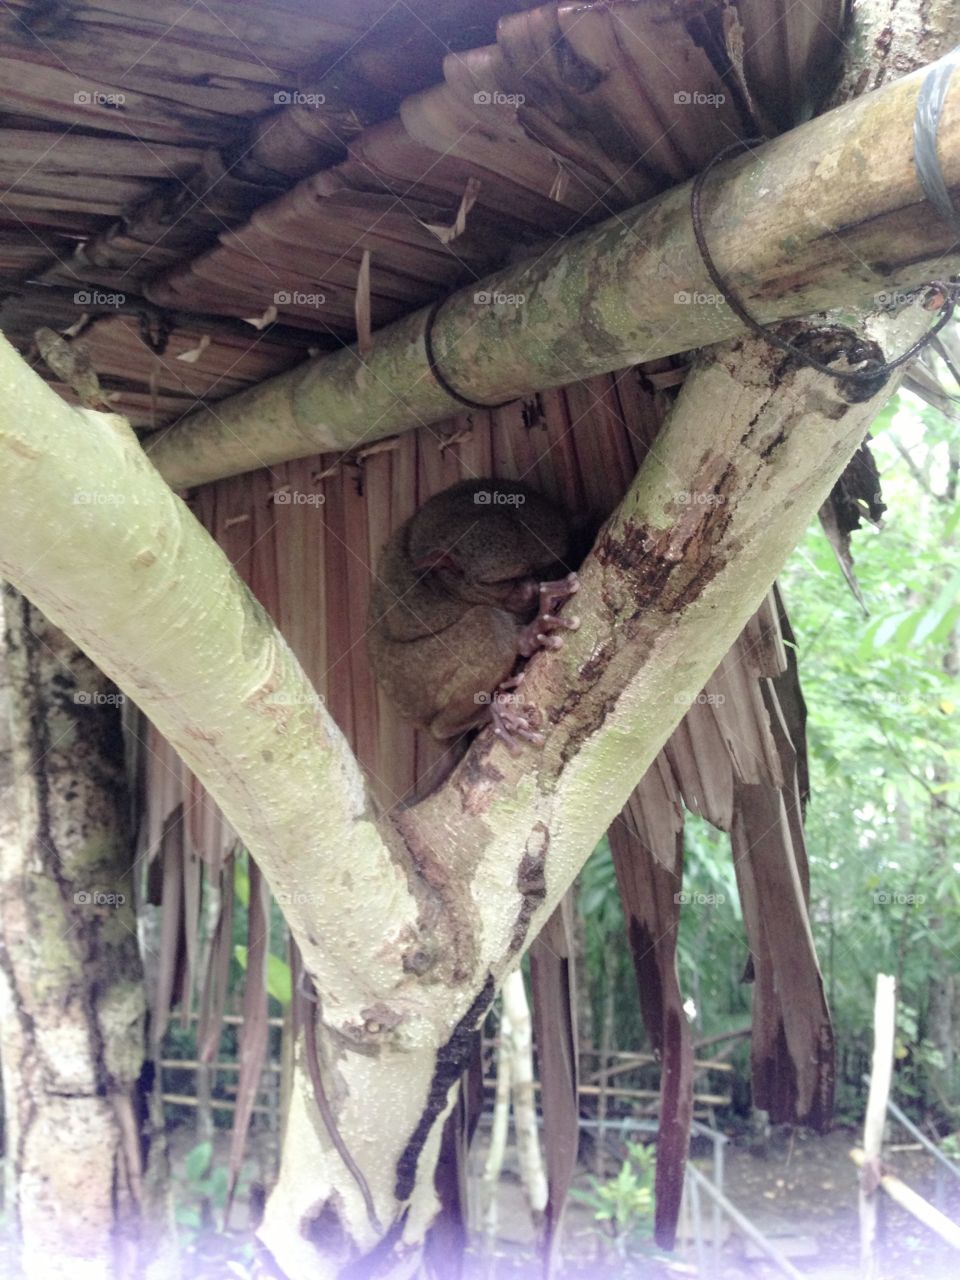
[(539, 633), (511, 718)]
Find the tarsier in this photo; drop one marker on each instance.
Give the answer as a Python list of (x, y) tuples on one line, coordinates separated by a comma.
[(466, 587)]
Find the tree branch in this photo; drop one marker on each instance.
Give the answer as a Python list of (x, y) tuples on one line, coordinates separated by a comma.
[(915, 471)]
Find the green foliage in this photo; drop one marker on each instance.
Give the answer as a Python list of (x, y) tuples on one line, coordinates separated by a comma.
[(202, 1190), (608, 962), (200, 1201), (279, 983), (883, 822), (241, 881), (623, 1206), (882, 696), (711, 949)]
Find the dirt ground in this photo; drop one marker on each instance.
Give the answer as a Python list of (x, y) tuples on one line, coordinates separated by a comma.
[(802, 1195), (809, 1187)]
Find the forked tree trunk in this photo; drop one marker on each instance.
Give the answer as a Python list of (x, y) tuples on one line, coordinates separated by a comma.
[(84, 1134), (443, 900)]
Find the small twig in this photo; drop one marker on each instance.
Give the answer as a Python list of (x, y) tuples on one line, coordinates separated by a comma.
[(936, 795), (915, 471)]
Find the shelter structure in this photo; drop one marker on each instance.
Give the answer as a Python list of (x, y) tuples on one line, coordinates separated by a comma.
[(201, 199)]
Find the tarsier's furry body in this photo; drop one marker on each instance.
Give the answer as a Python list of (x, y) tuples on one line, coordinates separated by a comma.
[(463, 590)]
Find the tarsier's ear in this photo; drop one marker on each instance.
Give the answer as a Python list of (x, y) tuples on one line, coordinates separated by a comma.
[(438, 558)]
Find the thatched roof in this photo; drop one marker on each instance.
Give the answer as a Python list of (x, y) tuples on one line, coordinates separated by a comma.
[(212, 165)]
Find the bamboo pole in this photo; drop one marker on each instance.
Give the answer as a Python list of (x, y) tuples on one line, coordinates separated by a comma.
[(743, 1224), (828, 215), (881, 1072), (532, 1175)]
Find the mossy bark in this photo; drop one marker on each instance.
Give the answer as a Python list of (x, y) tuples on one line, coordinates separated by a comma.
[(87, 1158)]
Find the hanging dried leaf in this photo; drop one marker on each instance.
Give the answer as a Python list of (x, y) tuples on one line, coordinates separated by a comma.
[(361, 307), (214, 997), (261, 322), (78, 327), (194, 354), (553, 987), (446, 235), (647, 845), (171, 941)]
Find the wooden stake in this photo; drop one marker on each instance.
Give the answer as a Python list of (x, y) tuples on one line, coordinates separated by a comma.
[(881, 1072)]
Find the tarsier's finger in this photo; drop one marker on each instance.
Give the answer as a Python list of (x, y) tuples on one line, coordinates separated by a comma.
[(511, 682), (507, 739), (558, 592), (509, 725), (550, 620)]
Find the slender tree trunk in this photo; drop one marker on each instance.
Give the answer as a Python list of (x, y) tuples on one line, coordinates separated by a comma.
[(499, 1130), (524, 1103), (84, 1139), (607, 1046)]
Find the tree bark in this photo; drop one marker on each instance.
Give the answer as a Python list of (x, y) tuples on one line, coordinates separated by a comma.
[(407, 928), (826, 216), (84, 1128)]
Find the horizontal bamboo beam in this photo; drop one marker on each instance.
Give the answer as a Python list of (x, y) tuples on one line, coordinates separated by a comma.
[(646, 1095), (826, 216), (914, 1204)]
